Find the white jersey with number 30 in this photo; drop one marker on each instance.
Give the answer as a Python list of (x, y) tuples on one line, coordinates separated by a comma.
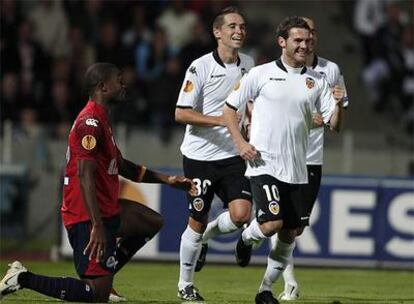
[(207, 84)]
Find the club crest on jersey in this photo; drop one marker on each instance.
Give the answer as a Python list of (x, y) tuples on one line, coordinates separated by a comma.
[(92, 122), (88, 142), (237, 86), (198, 204), (274, 207), (310, 83), (188, 86), (192, 70)]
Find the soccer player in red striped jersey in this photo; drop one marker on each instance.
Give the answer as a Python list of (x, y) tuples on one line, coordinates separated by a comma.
[(103, 231)]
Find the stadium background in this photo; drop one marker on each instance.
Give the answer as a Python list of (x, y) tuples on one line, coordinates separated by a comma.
[(46, 46)]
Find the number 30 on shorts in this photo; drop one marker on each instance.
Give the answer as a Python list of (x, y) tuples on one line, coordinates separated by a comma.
[(201, 185), (272, 193)]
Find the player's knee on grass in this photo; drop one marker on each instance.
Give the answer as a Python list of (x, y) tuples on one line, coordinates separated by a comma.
[(271, 227), (101, 288)]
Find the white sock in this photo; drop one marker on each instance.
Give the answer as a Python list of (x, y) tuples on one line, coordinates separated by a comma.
[(253, 233), (288, 274), (221, 225), (276, 263), (189, 250)]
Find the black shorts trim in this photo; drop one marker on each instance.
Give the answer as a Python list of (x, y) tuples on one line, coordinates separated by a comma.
[(309, 193)]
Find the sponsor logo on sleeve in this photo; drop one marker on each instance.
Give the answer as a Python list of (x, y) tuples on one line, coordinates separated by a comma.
[(92, 122), (88, 142), (310, 83), (188, 86)]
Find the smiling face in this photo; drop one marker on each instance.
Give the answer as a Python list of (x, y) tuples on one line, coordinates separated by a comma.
[(296, 47), (232, 33)]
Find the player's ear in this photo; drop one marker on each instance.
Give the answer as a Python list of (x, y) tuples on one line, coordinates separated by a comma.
[(102, 87), (281, 42), (216, 33)]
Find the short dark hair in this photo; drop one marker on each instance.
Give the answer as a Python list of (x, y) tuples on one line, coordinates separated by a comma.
[(97, 73), (219, 20), (288, 23)]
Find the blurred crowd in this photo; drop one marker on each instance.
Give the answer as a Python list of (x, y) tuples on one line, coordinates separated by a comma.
[(47, 45), (385, 29)]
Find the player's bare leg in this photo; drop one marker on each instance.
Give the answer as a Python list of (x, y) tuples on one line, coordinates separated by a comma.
[(139, 224)]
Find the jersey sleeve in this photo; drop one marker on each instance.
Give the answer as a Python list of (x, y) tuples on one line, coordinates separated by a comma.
[(192, 85), (89, 138), (244, 91), (326, 103)]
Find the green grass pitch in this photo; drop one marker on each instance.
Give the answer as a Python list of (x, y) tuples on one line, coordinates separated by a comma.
[(147, 282)]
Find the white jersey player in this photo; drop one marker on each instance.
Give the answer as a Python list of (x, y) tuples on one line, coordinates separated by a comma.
[(285, 94), (314, 156), (210, 158)]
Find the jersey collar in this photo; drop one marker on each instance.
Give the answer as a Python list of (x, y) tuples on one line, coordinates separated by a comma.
[(281, 66), (219, 61)]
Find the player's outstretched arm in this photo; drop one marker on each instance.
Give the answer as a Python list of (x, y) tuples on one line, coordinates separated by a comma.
[(140, 174), (192, 117), (97, 240)]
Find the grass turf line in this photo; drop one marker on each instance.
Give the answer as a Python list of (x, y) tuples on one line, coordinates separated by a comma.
[(156, 283)]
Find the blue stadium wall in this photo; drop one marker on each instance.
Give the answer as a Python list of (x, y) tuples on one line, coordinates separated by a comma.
[(357, 221)]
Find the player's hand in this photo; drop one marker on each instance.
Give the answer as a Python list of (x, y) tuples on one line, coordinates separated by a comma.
[(338, 93), (183, 183), (97, 243), (317, 120), (247, 151)]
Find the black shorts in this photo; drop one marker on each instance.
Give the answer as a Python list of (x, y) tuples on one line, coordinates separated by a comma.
[(225, 178), (276, 200), (309, 192), (79, 235)]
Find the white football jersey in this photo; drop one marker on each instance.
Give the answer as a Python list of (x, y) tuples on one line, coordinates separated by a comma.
[(207, 84), (332, 74), (284, 99)]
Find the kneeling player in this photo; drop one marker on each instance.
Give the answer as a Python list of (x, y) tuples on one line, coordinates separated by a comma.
[(91, 212)]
